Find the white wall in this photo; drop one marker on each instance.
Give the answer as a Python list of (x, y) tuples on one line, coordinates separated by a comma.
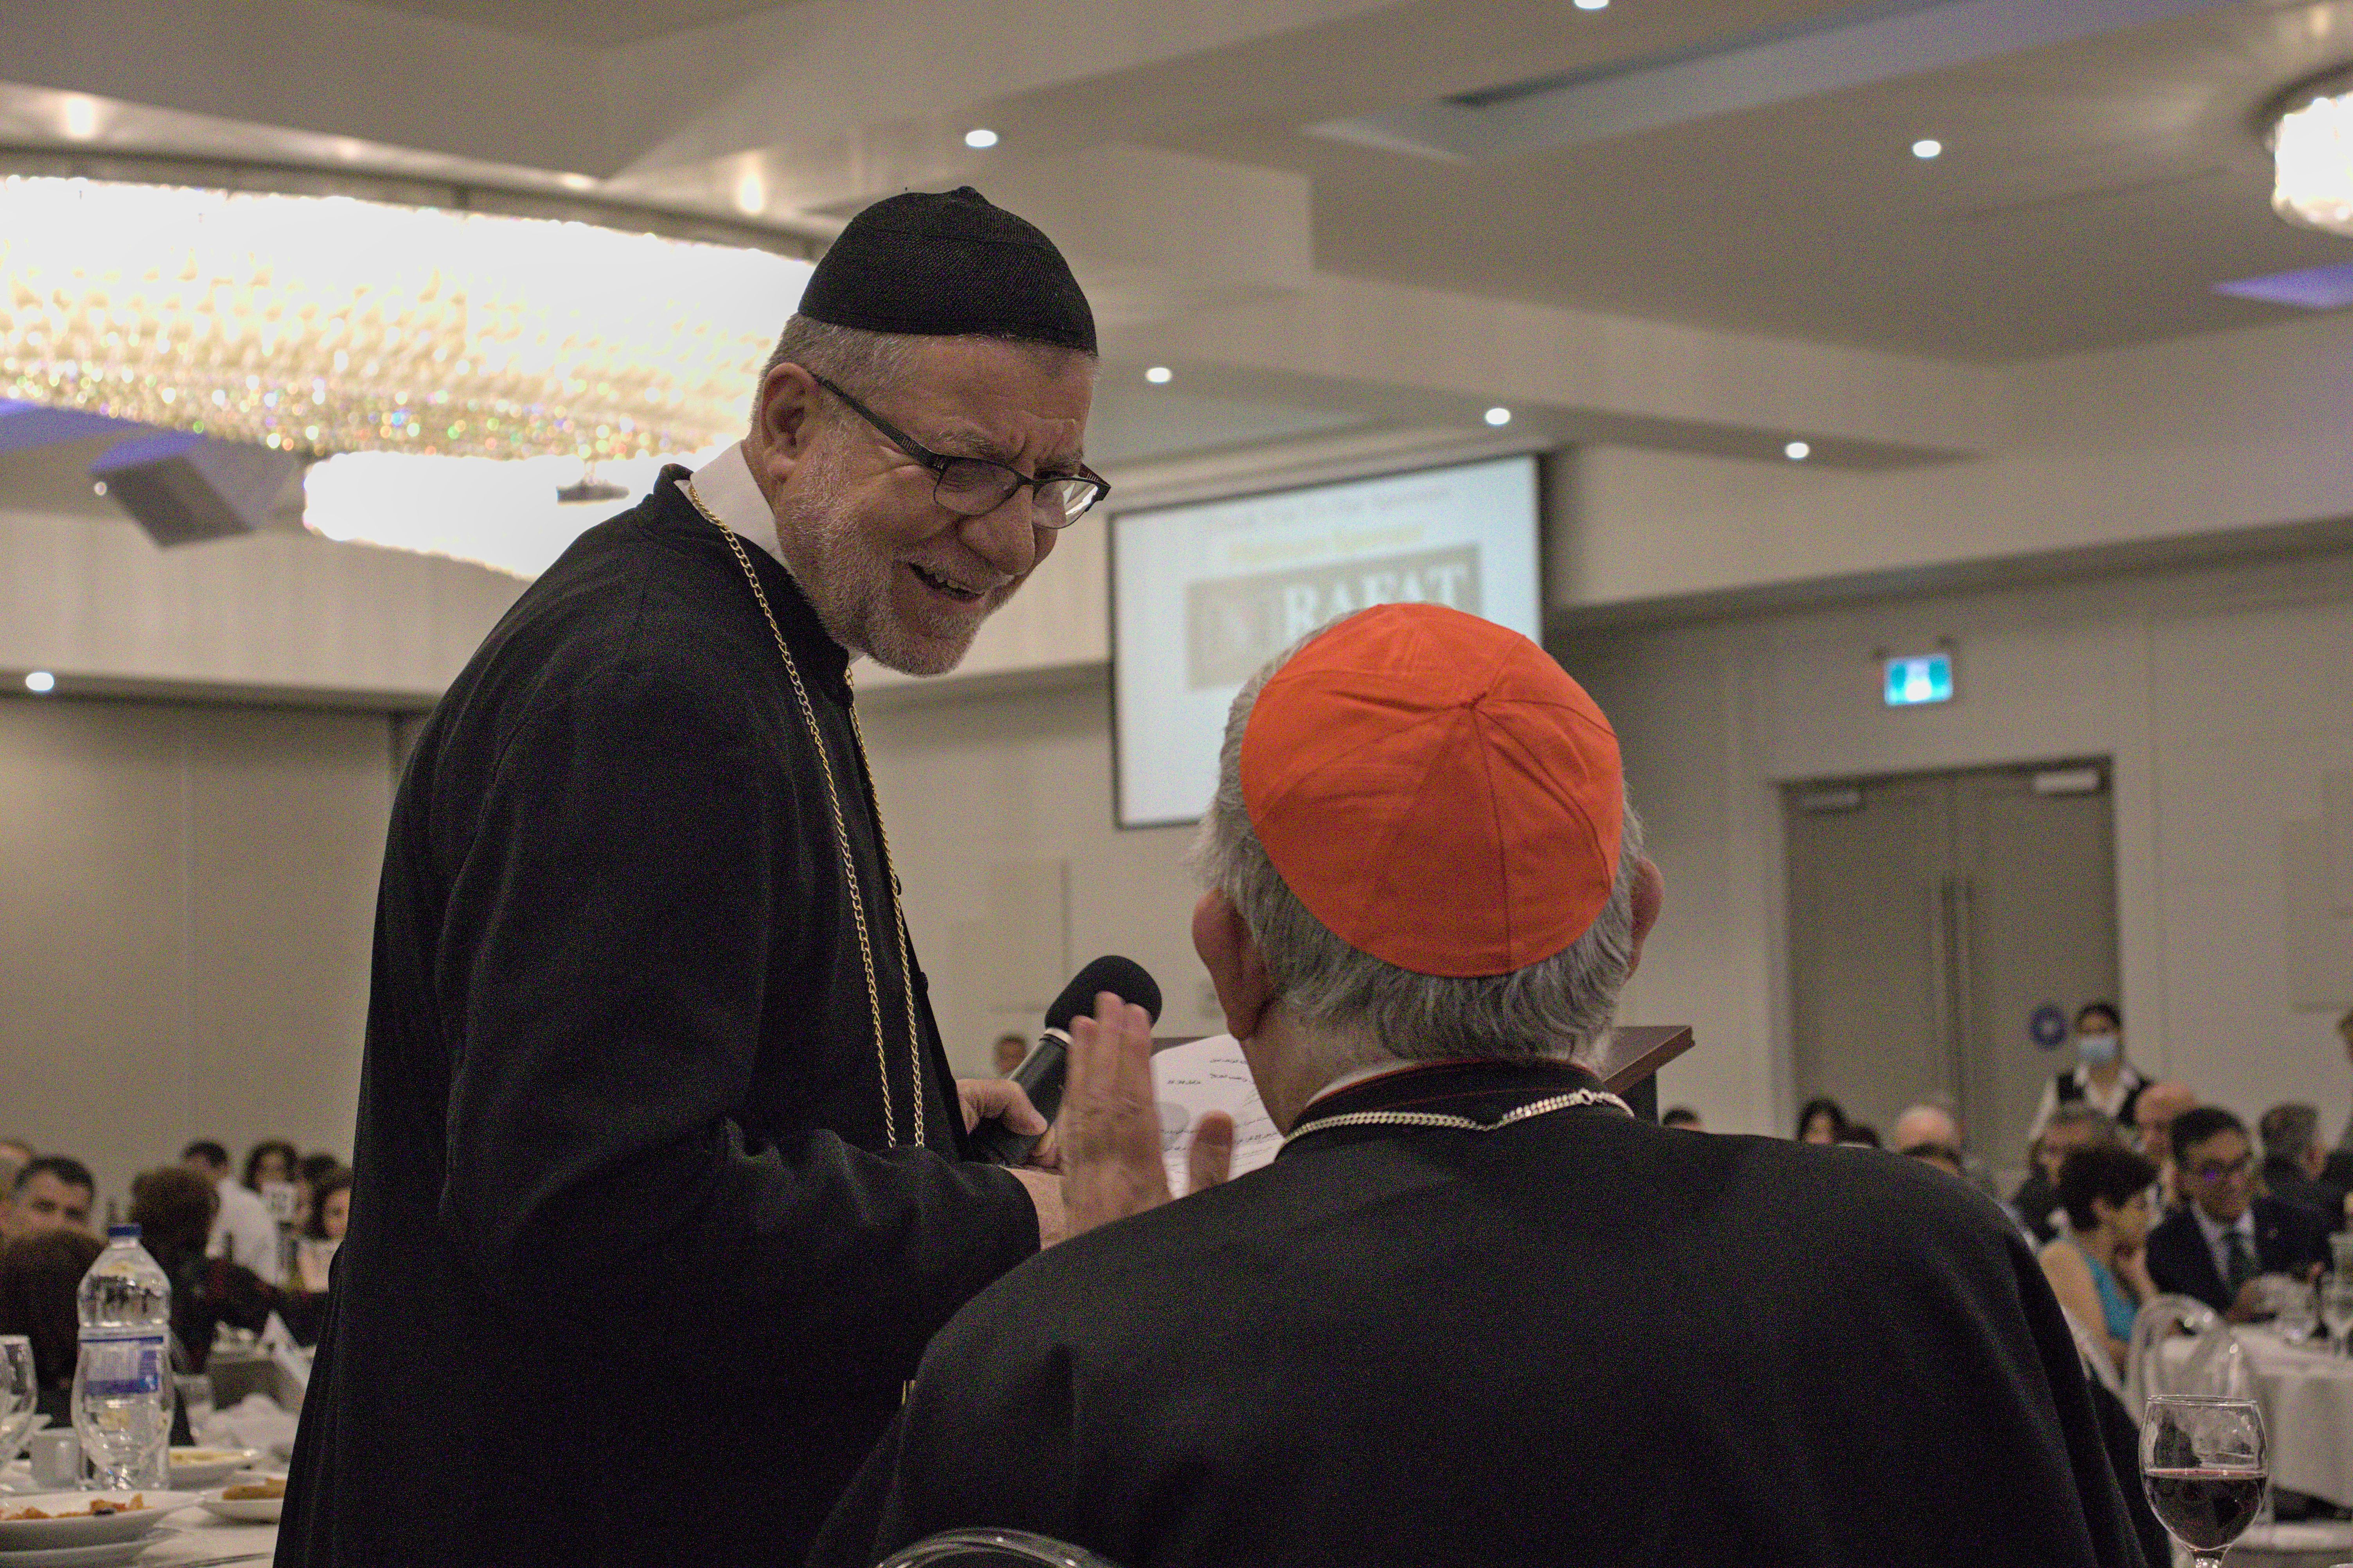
[(977, 784), (187, 908), (281, 616), (2221, 694)]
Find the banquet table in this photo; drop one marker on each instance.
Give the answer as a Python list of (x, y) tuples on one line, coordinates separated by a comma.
[(195, 1536), (2306, 1393)]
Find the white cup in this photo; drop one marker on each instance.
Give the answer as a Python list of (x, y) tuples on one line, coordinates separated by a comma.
[(56, 1460)]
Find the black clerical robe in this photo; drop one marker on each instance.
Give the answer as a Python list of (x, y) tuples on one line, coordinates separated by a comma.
[(1579, 1339), (632, 1277)]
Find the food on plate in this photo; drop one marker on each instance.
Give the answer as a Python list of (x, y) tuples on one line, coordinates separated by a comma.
[(98, 1509), (205, 1455), (255, 1491)]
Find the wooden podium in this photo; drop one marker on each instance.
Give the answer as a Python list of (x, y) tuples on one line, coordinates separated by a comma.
[(1629, 1063)]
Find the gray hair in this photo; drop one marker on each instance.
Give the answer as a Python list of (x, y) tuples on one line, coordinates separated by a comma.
[(872, 365), (2078, 1114), (1356, 1009), (876, 362), (2289, 1130)]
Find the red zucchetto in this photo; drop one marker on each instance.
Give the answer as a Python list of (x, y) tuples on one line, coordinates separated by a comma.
[(1437, 790)]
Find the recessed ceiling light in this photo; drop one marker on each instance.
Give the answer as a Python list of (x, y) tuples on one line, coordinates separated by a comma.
[(1926, 147), (1593, 5), (1499, 417), (98, 487), (1159, 375), (980, 138), (1797, 451), (41, 680)]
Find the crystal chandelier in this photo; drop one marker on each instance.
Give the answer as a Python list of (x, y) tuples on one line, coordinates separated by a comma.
[(2312, 153), (322, 324)]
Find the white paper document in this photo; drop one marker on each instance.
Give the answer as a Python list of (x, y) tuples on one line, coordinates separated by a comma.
[(1203, 1076)]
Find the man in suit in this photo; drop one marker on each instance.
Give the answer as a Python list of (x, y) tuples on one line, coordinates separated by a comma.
[(2294, 1164), (2215, 1245), (1474, 1311)]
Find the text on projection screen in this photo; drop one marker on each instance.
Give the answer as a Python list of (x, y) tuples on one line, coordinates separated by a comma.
[(1204, 595)]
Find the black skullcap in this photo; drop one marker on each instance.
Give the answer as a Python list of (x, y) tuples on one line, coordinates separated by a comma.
[(949, 266)]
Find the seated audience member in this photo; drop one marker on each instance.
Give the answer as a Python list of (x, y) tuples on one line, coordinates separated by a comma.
[(2215, 1246), (1684, 1117), (1859, 1135), (1925, 1123), (173, 1208), (2036, 1202), (1007, 1054), (243, 1231), (52, 1193), (14, 1155), (2152, 1119), (40, 1282), (1822, 1122), (1940, 1155), (1475, 1313), (314, 1169), (2097, 1269), (272, 1163), (2295, 1169), (1936, 1120), (324, 1232)]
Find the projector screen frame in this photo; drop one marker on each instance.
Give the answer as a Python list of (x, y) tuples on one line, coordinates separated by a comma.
[(1541, 459)]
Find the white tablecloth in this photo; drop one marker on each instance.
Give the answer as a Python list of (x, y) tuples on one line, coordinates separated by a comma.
[(195, 1536), (2306, 1393)]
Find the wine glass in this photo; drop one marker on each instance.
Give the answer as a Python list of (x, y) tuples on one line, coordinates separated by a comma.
[(2292, 1310), (2202, 1466), (2336, 1310), (20, 1393)]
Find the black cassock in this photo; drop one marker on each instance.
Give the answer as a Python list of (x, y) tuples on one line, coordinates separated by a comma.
[(1579, 1339), (631, 1277)]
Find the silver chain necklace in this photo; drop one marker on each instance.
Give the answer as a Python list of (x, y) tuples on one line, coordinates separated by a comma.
[(849, 866)]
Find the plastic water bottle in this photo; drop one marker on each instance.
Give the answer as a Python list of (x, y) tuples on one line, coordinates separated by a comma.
[(122, 1382)]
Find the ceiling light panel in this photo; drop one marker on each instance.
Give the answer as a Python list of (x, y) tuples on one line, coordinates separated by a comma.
[(326, 324)]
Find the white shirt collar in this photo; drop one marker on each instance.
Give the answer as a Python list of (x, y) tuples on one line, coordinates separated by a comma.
[(1360, 1075), (725, 486), (2213, 1230)]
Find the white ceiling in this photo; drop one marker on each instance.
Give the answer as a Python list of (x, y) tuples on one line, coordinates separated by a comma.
[(2092, 189)]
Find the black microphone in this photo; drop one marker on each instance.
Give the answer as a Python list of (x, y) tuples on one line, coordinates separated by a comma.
[(1043, 1070)]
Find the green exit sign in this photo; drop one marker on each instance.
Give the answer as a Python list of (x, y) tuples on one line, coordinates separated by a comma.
[(1917, 679)]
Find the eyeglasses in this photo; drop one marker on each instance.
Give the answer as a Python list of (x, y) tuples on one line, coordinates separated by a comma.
[(2212, 1173), (975, 487)]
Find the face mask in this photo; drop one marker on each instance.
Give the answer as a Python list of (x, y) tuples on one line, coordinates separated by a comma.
[(2096, 1048)]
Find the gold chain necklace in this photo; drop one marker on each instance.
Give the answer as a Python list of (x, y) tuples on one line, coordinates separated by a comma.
[(842, 842), (1461, 1123)]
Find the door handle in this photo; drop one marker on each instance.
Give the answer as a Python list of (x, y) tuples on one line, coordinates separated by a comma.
[(1940, 966), (1965, 993)]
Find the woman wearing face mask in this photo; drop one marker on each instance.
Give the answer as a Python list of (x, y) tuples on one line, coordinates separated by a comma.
[(2101, 1079)]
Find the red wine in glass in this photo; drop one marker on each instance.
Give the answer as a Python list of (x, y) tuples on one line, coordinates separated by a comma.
[(2205, 1508)]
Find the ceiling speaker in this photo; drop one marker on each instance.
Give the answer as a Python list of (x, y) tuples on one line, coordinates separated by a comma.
[(184, 489)]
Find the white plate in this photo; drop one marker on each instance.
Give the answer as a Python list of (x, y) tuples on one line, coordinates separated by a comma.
[(239, 1511), (105, 1554), (192, 1474), (87, 1530)]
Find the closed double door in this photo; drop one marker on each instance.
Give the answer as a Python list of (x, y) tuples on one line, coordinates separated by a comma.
[(1938, 924)]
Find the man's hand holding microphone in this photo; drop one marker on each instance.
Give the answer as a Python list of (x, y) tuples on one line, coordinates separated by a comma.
[(1101, 1159)]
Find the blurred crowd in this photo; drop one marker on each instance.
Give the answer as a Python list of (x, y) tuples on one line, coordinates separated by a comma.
[(247, 1250), (2139, 1186)]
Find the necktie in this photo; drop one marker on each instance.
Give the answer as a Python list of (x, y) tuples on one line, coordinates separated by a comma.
[(2242, 1258)]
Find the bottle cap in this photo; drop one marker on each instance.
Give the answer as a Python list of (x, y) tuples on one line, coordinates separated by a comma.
[(117, 1232)]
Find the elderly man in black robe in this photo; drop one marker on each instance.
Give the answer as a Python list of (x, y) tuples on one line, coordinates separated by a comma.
[(661, 1172), (1475, 1312)]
